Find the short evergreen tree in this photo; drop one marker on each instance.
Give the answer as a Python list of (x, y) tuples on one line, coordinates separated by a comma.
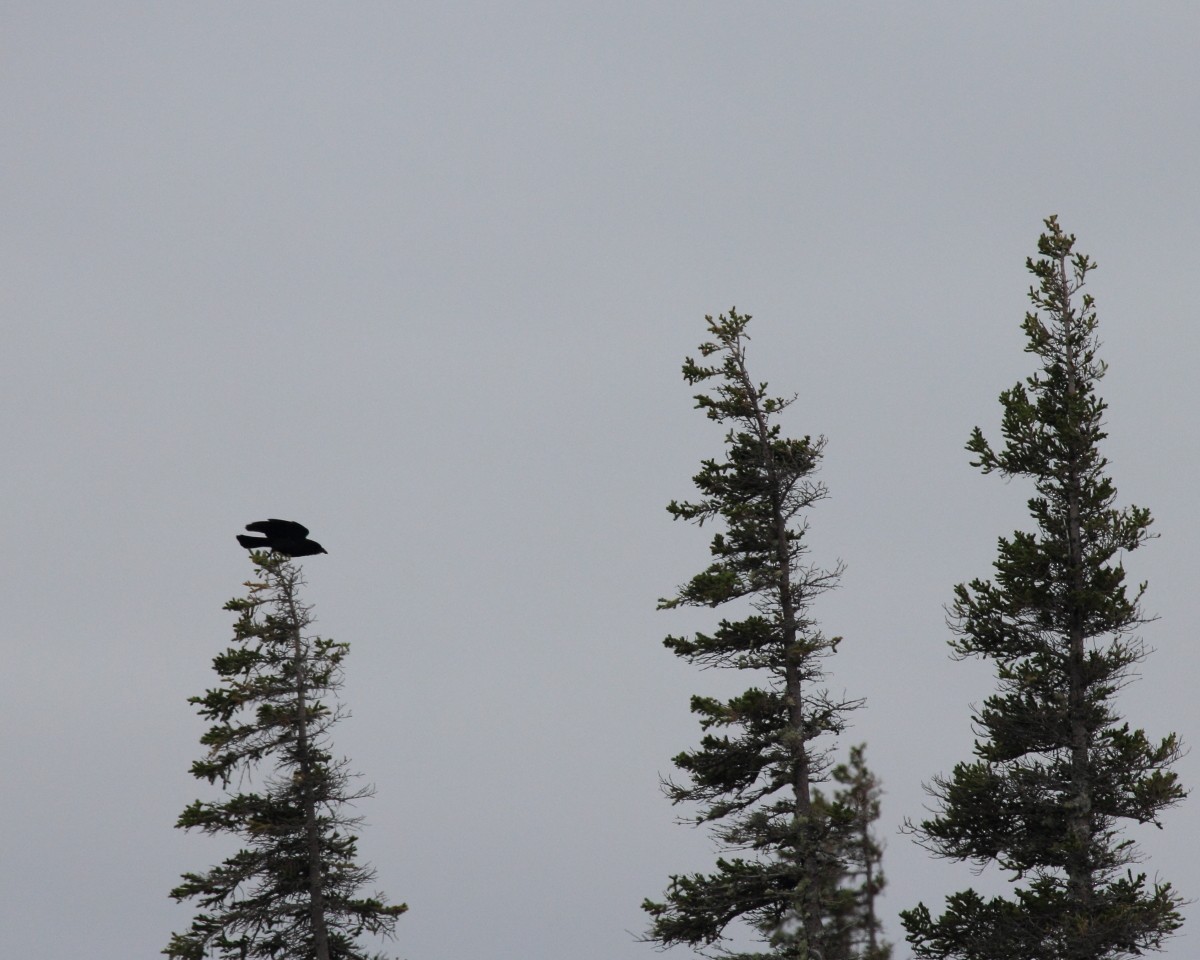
[(292, 891), (1057, 773), (857, 878), (754, 783)]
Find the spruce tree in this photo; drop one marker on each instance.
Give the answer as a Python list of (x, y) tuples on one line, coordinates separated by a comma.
[(1057, 774), (752, 776), (857, 880), (292, 890)]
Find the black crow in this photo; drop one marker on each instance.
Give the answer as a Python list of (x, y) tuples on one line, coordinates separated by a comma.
[(282, 536)]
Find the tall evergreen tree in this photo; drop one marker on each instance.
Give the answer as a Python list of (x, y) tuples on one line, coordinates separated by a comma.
[(756, 787), (1057, 772), (292, 891)]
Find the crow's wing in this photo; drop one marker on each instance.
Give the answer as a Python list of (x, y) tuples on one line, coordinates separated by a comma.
[(281, 529)]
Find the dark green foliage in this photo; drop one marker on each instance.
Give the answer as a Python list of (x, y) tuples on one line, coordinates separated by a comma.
[(292, 890), (751, 777), (1056, 771)]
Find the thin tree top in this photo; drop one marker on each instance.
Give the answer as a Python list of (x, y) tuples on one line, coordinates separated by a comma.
[(759, 488), (1054, 419)]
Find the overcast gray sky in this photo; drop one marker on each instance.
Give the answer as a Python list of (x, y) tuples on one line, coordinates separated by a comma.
[(421, 276)]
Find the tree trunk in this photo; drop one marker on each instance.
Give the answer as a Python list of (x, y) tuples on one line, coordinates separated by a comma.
[(869, 882), (316, 897), (807, 843), (1079, 821)]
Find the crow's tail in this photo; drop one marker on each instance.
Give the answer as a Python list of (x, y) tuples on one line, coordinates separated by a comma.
[(253, 543)]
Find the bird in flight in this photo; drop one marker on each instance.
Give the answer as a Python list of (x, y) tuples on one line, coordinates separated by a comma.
[(282, 536)]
